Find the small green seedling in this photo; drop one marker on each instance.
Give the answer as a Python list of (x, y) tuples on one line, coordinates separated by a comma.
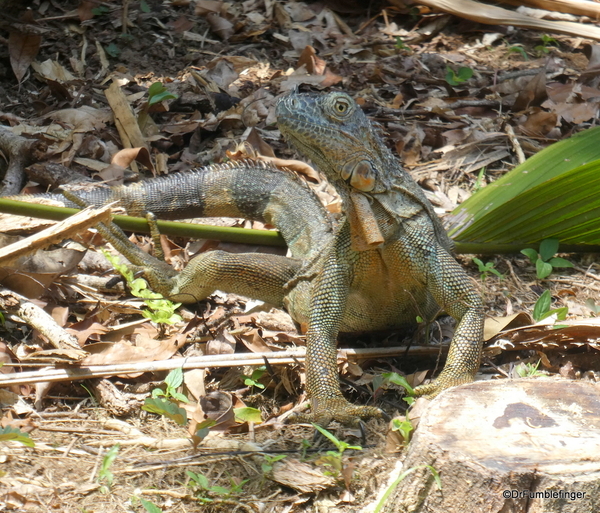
[(547, 43), (164, 402), (396, 379), (487, 269), (542, 309), (200, 482), (253, 380), (333, 459), (105, 475), (160, 310), (520, 50), (528, 370), (480, 181), (401, 45), (404, 427), (457, 78), (544, 260), (267, 465)]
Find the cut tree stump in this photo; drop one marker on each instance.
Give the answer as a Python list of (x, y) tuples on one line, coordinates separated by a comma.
[(527, 445)]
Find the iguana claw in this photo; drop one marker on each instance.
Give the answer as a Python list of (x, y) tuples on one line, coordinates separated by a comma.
[(337, 409)]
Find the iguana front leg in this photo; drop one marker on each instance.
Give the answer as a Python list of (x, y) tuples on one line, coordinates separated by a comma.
[(327, 305)]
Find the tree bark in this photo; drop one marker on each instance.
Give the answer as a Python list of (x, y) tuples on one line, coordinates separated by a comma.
[(505, 446)]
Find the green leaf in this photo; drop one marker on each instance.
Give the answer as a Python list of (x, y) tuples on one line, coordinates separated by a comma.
[(548, 248), (554, 194), (530, 253), (150, 507), (10, 433), (175, 378), (542, 305), (248, 415), (543, 269), (559, 262), (166, 408), (396, 379)]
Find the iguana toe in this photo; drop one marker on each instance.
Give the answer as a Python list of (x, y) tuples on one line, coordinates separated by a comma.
[(323, 411), (448, 378)]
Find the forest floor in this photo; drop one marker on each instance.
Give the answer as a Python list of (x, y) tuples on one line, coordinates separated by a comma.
[(456, 101)]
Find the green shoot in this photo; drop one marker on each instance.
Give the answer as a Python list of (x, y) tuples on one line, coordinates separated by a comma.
[(396, 379), (591, 304), (544, 260), (457, 78), (520, 50), (480, 180), (105, 474), (164, 402), (203, 487), (547, 43), (487, 269), (528, 370), (404, 427), (160, 310), (150, 507), (401, 45), (253, 380), (542, 309), (267, 466), (333, 459)]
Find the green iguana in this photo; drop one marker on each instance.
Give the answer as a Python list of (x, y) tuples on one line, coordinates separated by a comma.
[(387, 261)]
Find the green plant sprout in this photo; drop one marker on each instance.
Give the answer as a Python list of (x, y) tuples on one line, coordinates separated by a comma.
[(164, 402), (457, 78), (487, 269), (253, 380), (480, 180), (204, 488), (160, 310), (528, 370), (520, 50), (542, 309), (267, 465), (333, 459), (544, 260), (105, 475), (547, 44)]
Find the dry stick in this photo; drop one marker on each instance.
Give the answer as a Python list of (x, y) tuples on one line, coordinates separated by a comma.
[(54, 234), (34, 316), (515, 143), (200, 362)]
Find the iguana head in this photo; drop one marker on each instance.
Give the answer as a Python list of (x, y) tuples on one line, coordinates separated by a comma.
[(335, 134)]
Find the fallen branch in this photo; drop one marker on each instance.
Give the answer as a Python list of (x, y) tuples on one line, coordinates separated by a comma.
[(202, 362), (35, 317)]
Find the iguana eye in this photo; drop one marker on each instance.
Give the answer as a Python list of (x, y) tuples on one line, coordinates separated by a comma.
[(341, 106)]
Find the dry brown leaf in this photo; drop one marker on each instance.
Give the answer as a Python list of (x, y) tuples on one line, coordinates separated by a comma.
[(23, 49), (126, 156)]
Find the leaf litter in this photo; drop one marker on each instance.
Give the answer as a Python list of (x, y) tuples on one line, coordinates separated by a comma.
[(79, 100)]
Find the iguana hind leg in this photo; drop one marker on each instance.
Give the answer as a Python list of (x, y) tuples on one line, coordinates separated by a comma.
[(256, 275)]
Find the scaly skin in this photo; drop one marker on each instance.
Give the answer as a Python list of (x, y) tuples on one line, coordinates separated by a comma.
[(386, 262), (411, 272)]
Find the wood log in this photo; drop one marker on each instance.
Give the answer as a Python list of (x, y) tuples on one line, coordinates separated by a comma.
[(527, 445)]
